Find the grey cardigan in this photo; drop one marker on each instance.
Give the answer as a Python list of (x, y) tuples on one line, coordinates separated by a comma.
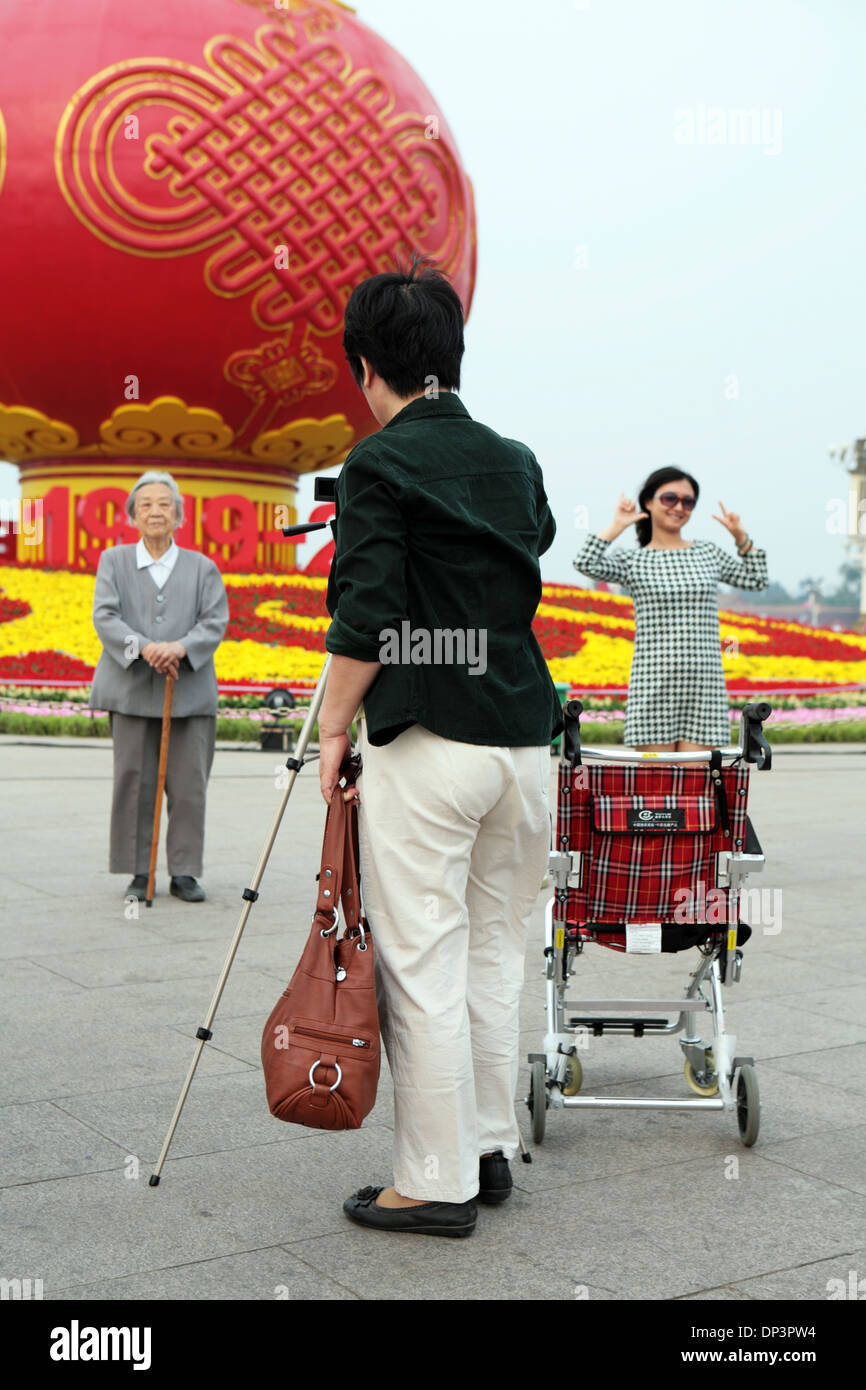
[(129, 611)]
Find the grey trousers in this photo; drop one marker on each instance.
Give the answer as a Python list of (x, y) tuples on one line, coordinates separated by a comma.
[(136, 764)]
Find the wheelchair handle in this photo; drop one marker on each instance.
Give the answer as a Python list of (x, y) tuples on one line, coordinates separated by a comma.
[(752, 747)]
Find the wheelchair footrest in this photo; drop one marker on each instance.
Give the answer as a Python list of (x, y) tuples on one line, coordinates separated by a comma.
[(600, 1025)]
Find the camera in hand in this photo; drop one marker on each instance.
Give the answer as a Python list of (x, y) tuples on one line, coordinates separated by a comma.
[(324, 490)]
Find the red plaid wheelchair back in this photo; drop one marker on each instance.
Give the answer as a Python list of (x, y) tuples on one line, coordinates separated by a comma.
[(647, 839)]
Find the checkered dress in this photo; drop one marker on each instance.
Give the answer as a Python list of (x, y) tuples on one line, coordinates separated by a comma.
[(677, 687)]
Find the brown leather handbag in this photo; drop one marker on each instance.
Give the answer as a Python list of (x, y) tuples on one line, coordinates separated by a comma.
[(320, 1046)]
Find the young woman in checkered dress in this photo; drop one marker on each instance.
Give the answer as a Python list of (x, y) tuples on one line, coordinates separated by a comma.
[(676, 697)]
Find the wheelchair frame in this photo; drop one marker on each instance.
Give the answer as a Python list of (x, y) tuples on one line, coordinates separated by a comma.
[(722, 1078)]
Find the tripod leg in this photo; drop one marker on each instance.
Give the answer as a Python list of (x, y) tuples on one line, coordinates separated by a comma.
[(250, 895)]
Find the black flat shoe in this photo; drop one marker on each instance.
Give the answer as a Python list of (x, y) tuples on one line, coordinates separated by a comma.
[(430, 1219), (494, 1178), (138, 888), (187, 888)]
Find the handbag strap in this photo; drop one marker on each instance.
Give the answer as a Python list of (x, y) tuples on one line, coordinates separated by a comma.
[(351, 895), (338, 874)]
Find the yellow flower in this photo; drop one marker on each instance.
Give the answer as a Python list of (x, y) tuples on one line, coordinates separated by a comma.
[(252, 661), (61, 619), (284, 581), (573, 615), (274, 612)]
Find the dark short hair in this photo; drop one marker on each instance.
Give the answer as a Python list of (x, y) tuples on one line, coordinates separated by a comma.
[(671, 474), (408, 324)]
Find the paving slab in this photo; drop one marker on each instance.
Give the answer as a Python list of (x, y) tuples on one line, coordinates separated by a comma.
[(72, 1051), (104, 1225), (221, 1113), (836, 1151), (840, 1278), (267, 1275), (842, 1068), (42, 1141)]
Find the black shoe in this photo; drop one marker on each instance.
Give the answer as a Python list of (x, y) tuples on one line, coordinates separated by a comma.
[(494, 1177), (184, 886), (431, 1219), (138, 888)]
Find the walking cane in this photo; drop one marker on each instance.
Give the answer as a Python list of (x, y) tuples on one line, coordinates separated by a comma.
[(160, 782)]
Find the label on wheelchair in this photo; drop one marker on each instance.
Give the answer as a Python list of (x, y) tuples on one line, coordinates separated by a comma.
[(652, 813), (644, 938), (673, 818)]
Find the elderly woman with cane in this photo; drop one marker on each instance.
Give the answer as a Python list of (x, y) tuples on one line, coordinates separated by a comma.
[(433, 588), (160, 612)]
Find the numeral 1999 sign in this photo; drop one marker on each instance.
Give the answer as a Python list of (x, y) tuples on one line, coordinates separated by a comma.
[(235, 532)]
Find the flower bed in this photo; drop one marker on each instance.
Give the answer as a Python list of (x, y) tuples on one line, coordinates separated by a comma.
[(277, 626)]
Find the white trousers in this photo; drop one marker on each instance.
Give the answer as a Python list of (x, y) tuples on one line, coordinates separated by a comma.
[(454, 839)]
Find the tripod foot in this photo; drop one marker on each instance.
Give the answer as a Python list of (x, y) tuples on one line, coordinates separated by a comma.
[(153, 1180)]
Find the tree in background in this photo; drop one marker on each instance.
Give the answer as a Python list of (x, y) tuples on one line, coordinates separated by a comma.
[(776, 594), (807, 587), (848, 593)]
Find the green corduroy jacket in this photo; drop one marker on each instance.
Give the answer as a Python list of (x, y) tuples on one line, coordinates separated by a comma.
[(439, 526)]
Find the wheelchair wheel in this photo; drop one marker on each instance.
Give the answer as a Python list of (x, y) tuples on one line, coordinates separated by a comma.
[(573, 1077), (538, 1100), (748, 1105), (705, 1083)]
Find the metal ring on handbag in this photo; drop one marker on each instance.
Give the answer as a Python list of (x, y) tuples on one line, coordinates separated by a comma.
[(321, 1063), (362, 944), (326, 931)]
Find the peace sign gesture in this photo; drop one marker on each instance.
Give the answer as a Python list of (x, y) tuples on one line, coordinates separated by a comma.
[(731, 521), (626, 513)]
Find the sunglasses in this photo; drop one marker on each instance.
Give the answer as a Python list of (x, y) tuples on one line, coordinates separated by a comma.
[(670, 500)]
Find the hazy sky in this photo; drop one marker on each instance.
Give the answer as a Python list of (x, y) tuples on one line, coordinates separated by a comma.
[(702, 262), (657, 282)]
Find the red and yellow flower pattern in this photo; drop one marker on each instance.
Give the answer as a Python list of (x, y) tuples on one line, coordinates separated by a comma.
[(276, 634)]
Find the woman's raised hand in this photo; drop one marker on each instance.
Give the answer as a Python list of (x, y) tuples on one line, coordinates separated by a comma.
[(732, 522), (626, 513)]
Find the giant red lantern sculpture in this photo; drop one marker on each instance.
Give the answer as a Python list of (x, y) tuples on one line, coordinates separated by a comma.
[(188, 195)]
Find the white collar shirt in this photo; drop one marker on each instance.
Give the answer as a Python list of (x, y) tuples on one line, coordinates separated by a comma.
[(159, 569)]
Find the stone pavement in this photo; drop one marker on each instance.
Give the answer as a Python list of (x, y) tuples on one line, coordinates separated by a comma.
[(99, 1014)]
